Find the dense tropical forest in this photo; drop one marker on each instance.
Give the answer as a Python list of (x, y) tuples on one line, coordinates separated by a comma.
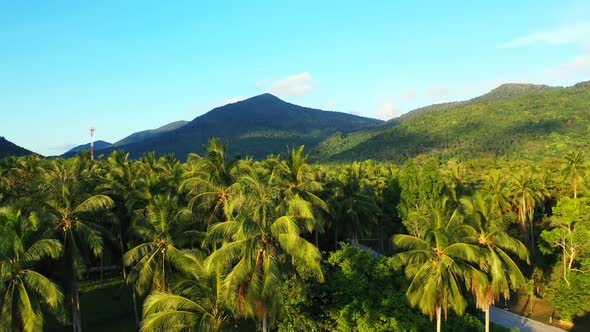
[(513, 121), (220, 243)]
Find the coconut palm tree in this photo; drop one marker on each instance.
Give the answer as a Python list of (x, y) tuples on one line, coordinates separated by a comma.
[(162, 228), (257, 246), (495, 187), (72, 211), (23, 290), (527, 192), (123, 182), (354, 203), (574, 169), (208, 179), (503, 273), (294, 177), (195, 303), (439, 263)]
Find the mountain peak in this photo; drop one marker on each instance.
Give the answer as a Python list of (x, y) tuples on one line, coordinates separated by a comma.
[(521, 86), (265, 97)]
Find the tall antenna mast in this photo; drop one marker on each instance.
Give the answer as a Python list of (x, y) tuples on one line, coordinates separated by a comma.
[(92, 129)]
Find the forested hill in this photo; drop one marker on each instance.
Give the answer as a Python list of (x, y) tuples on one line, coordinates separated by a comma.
[(503, 92), (8, 149), (146, 134), (97, 146), (257, 127), (530, 124)]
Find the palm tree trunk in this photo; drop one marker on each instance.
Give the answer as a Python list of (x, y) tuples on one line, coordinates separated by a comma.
[(164, 272), (438, 318), (316, 239), (265, 320), (135, 312), (76, 315), (532, 236), (487, 312), (101, 270)]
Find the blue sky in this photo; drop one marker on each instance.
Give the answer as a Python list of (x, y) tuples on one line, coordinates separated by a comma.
[(125, 66)]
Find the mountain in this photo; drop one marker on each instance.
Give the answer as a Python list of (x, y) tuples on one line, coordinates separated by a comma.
[(256, 127), (503, 92), (133, 138), (512, 121), (8, 149), (97, 146), (339, 142), (146, 134)]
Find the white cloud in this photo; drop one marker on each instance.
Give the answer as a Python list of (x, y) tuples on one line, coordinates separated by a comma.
[(387, 111), (62, 147), (575, 69), (570, 34), (260, 83), (437, 91), (294, 85), (580, 64), (409, 94)]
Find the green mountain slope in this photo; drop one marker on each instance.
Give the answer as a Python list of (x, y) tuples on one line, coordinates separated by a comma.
[(97, 146), (8, 149), (257, 127), (339, 143), (146, 134), (543, 122)]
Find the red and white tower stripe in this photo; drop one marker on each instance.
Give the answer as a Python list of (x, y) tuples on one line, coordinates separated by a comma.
[(92, 129)]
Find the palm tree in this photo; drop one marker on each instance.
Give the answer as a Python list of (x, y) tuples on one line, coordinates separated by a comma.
[(354, 203), (71, 209), (527, 192), (295, 178), (574, 169), (23, 290), (123, 182), (196, 302), (208, 179), (162, 228), (21, 183), (439, 263), (494, 187), (503, 273), (257, 245)]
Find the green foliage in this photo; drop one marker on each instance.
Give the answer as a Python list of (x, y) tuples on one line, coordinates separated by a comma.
[(361, 293), (533, 125), (571, 300), (420, 185), (220, 241)]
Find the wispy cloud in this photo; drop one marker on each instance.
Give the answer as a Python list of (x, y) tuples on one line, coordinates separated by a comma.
[(387, 111), (409, 94), (62, 147), (437, 91), (578, 65), (576, 68), (294, 85), (260, 83), (578, 33)]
